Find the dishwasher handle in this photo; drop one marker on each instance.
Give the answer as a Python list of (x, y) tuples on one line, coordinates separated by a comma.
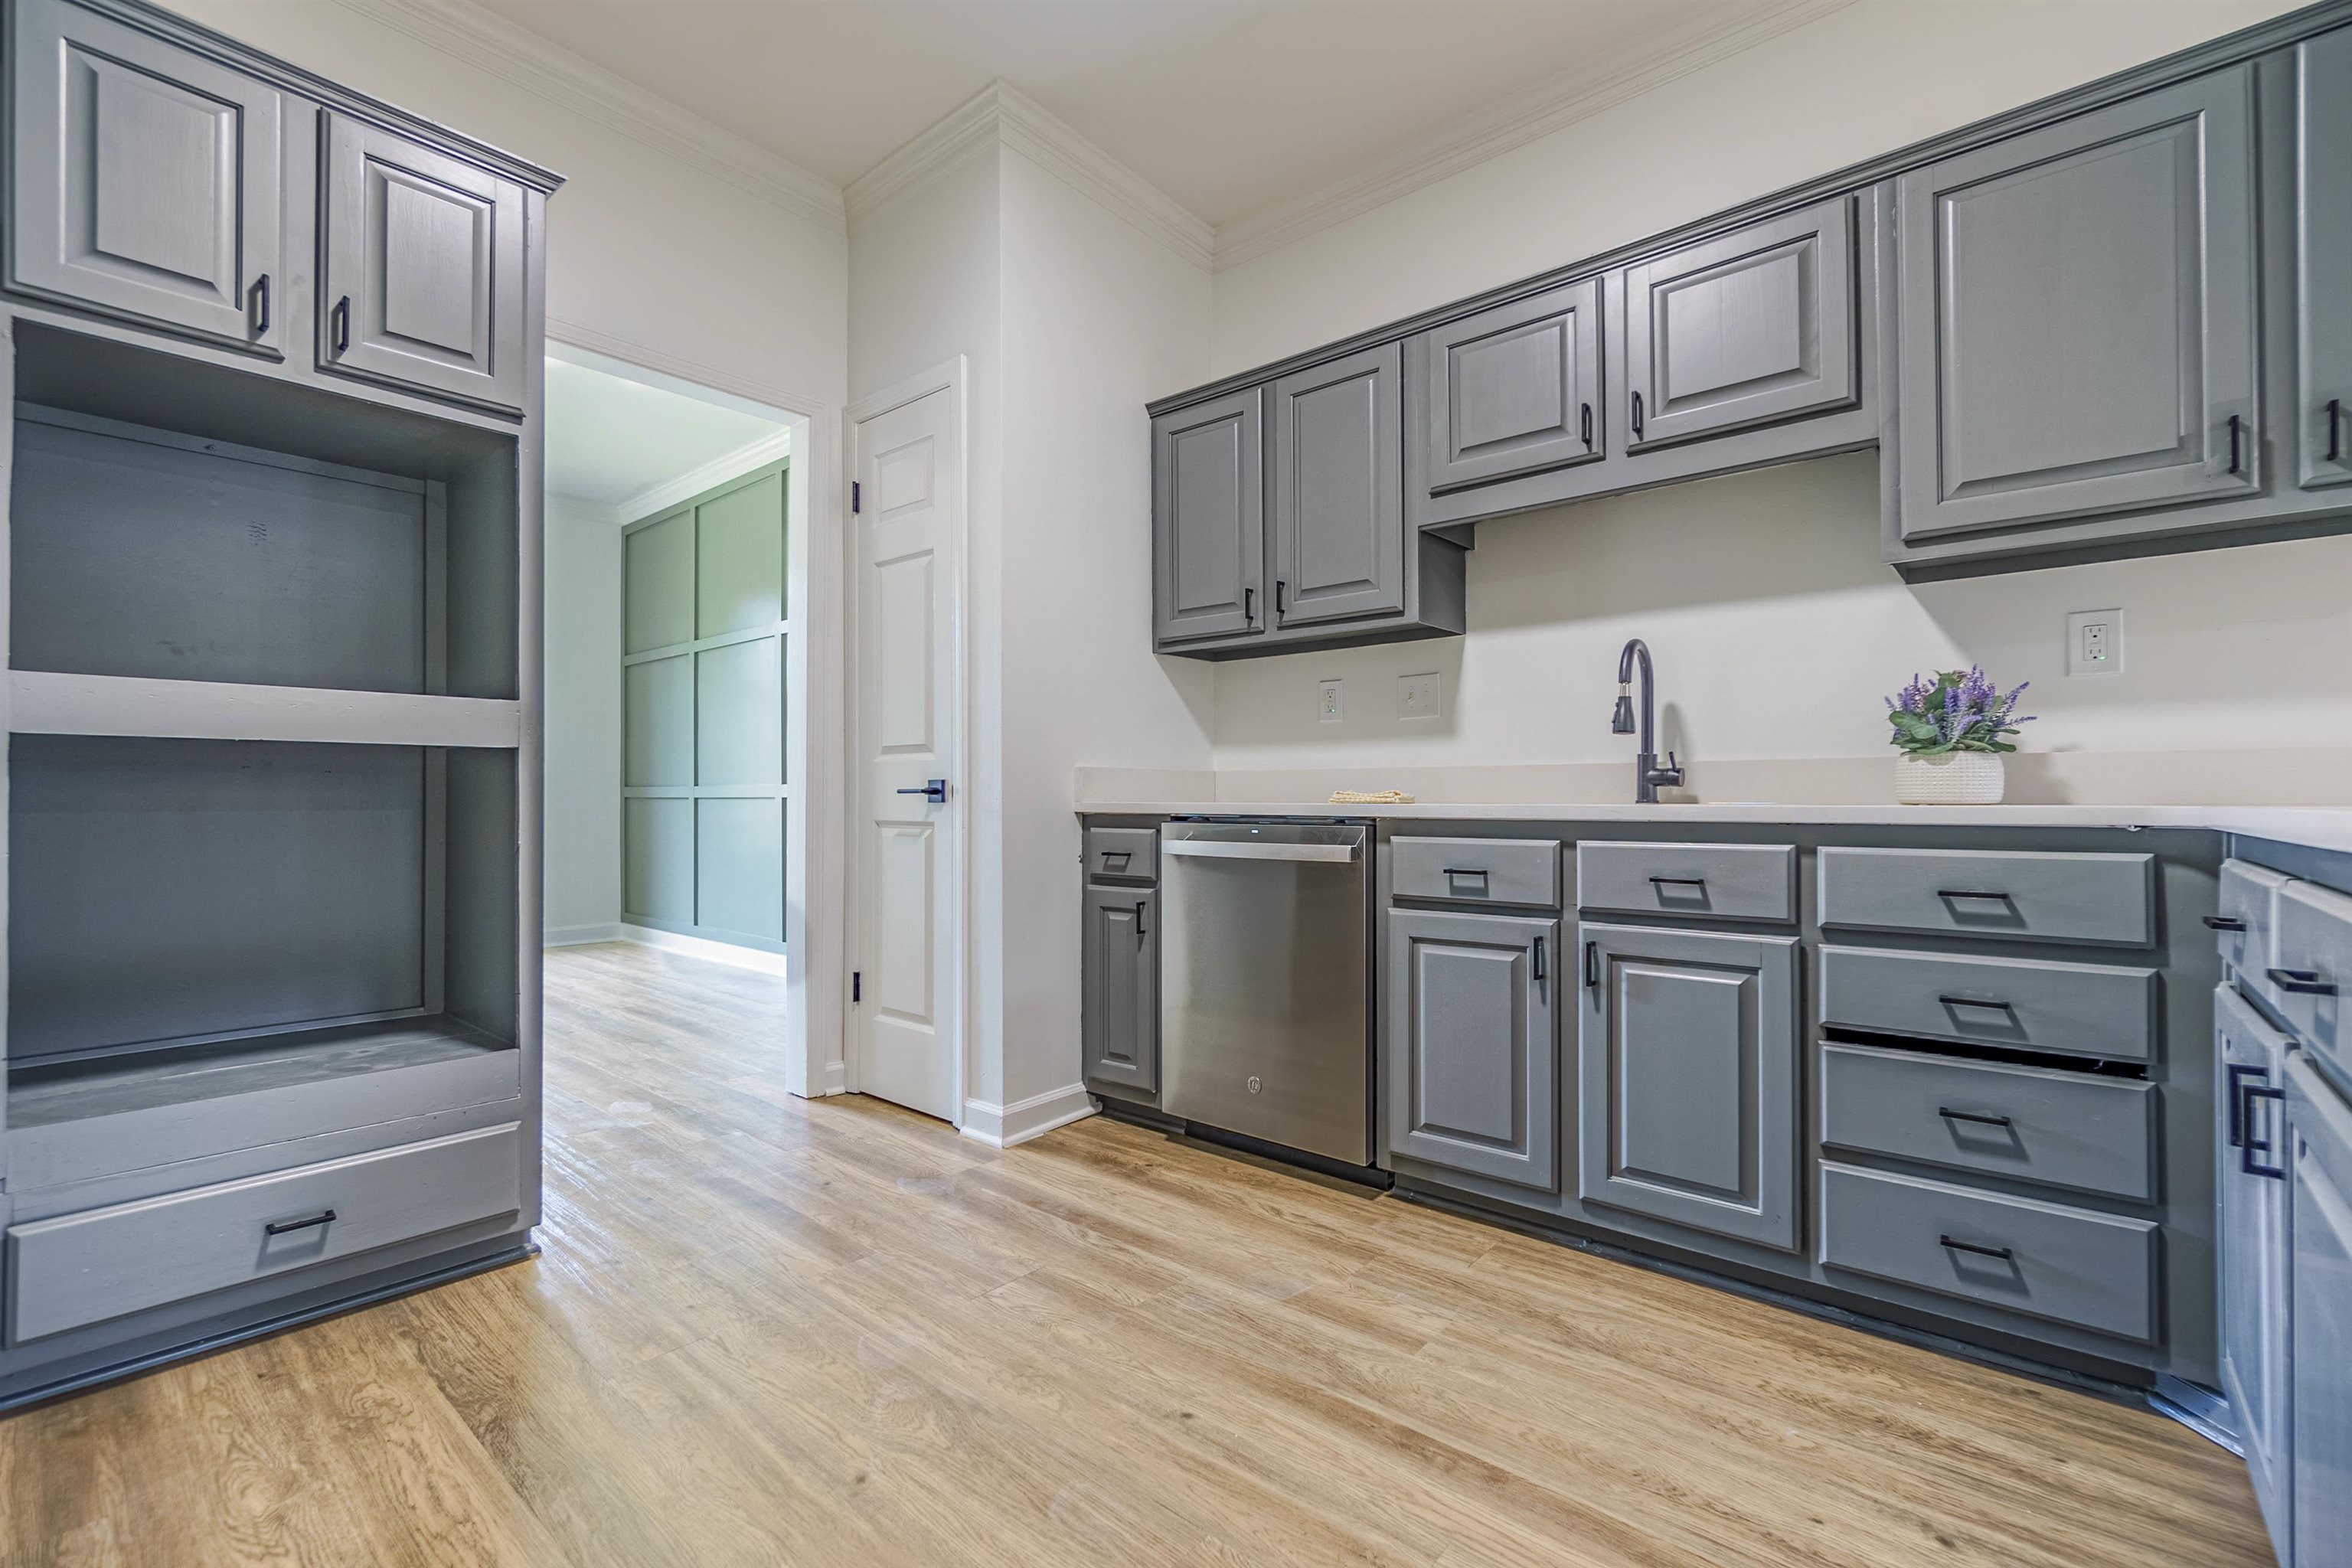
[(1229, 849)]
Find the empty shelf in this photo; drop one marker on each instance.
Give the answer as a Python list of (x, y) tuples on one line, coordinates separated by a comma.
[(45, 704)]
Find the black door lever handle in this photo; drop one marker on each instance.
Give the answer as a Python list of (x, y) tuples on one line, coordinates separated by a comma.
[(933, 790)]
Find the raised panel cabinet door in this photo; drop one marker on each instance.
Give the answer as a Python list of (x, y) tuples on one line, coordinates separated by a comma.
[(1471, 1052), (1208, 520), (2077, 316), (1747, 329), (1338, 489), (424, 267), (2320, 1319), (1515, 390), (2323, 241), (1686, 1057), (144, 180), (1119, 1015), (2250, 1055)]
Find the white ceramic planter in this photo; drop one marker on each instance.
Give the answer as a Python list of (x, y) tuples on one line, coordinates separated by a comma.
[(1955, 778)]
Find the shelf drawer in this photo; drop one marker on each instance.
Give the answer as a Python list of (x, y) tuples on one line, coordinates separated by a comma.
[(1719, 881), (2310, 967), (2068, 1265), (1477, 870), (2027, 1124), (1998, 895), (1132, 852), (2016, 1003), (83, 1268), (2243, 920)]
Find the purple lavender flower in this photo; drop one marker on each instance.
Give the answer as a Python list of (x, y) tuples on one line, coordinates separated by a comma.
[(1958, 710)]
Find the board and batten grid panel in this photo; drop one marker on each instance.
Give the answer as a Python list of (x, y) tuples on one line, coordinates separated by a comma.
[(703, 693)]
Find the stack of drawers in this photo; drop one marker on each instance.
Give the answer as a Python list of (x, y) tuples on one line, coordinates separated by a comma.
[(2014, 1076)]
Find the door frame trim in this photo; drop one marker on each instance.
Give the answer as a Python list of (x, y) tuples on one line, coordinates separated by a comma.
[(951, 376)]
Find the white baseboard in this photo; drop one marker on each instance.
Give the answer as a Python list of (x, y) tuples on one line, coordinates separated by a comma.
[(705, 949), (575, 936), (1005, 1125)]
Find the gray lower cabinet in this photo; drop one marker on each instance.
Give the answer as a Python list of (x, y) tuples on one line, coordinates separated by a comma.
[(146, 178), (1119, 1009), (1687, 1067), (424, 280), (1208, 520), (2251, 1061), (2320, 1365), (1470, 1053), (2077, 319), (1502, 396), (1749, 328), (2323, 240), (1338, 510)]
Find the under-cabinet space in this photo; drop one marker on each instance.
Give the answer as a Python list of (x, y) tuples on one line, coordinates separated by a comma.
[(270, 536)]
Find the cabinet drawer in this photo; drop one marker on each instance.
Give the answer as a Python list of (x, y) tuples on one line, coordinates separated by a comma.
[(2242, 922), (2312, 967), (1996, 894), (2045, 1260), (1720, 881), (82, 1269), (2022, 1005), (2057, 1129), (1477, 870), (1123, 852)]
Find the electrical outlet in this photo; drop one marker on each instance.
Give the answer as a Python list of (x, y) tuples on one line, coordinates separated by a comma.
[(1417, 696), (2094, 642), (1329, 709)]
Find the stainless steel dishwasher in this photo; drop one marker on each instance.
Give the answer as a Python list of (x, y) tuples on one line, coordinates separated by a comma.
[(1266, 955)]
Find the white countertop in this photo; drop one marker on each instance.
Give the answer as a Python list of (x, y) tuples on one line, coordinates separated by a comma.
[(2317, 827)]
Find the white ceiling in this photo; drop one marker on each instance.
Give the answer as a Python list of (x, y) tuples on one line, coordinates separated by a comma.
[(610, 441), (1231, 107)]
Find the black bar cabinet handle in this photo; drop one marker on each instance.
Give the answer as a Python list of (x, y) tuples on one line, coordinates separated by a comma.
[(1584, 423), (1281, 597), (1249, 607), (1680, 881), (341, 319), (2239, 1073), (261, 306), (2303, 982), (2236, 424), (2334, 429), (1540, 961), (1139, 930), (284, 1226), (2223, 923), (2252, 1146), (1637, 415), (2002, 1252), (1592, 966), (1450, 872), (1965, 893), (1977, 1002), (1950, 1115)]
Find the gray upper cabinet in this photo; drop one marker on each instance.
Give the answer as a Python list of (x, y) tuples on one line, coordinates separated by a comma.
[(1208, 511), (1470, 1059), (1750, 328), (1687, 1062), (2323, 174), (1120, 1010), (424, 267), (2077, 328), (146, 180), (1338, 489), (1504, 397)]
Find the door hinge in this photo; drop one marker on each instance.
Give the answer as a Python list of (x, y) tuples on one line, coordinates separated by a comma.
[(856, 495), (857, 986)]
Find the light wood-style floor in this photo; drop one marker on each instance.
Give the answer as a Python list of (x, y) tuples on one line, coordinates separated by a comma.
[(764, 1331)]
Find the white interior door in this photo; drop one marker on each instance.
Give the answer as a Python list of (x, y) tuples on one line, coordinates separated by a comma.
[(907, 1025)]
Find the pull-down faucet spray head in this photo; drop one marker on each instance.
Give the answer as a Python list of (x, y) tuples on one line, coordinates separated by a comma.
[(1621, 722)]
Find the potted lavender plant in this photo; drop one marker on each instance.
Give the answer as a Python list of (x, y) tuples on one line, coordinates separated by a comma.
[(1949, 737)]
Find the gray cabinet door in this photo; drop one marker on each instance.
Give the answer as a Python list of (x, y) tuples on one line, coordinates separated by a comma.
[(2077, 318), (1208, 520), (1471, 1047), (1515, 390), (424, 283), (2320, 1319), (1686, 1063), (1119, 1013), (1747, 329), (2253, 1240), (2323, 174), (144, 180), (1338, 489)]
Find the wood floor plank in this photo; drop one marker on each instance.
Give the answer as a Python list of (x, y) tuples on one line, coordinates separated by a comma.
[(769, 1330)]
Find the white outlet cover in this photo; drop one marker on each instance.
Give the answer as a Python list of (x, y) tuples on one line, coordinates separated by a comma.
[(2094, 642), (1417, 696), (1328, 702)]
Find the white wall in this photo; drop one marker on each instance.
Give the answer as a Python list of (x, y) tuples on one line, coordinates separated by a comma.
[(583, 724), (1777, 629)]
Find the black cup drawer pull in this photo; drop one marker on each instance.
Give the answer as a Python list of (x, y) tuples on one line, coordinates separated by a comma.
[(2223, 923), (2302, 981), (286, 1226), (1949, 1114), (1679, 881), (2003, 1252)]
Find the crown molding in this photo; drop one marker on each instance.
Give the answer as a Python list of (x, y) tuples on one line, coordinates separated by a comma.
[(655, 500), (1003, 114), (546, 70), (1528, 116)]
